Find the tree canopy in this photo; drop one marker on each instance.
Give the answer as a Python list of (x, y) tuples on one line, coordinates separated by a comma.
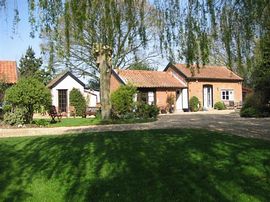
[(188, 30)]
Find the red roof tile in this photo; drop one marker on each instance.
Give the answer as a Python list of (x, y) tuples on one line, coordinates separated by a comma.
[(209, 72), (8, 72), (149, 79)]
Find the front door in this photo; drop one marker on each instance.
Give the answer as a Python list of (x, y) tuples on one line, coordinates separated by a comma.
[(207, 96), (62, 101)]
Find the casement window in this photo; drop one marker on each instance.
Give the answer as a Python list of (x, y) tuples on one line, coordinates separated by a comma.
[(227, 95), (151, 98), (146, 97)]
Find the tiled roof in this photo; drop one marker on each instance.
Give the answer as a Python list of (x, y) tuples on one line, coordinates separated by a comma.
[(8, 72), (209, 72), (56, 79), (62, 76), (149, 79)]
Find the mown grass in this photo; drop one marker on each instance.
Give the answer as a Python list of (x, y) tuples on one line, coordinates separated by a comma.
[(66, 122), (154, 165)]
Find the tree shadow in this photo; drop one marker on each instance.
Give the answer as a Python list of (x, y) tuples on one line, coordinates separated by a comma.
[(154, 165)]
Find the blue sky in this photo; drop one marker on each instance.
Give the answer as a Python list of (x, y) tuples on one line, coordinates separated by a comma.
[(14, 45)]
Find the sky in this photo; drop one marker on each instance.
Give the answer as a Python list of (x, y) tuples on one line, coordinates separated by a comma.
[(14, 45)]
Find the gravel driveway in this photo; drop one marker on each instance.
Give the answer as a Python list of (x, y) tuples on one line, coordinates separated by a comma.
[(226, 122)]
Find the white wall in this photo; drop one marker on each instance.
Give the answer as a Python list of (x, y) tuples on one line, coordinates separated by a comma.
[(92, 97), (66, 84)]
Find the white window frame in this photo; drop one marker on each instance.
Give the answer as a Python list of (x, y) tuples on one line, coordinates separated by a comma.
[(151, 97), (230, 95)]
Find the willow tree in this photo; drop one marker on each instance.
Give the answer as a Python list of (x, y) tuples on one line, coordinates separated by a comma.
[(185, 30)]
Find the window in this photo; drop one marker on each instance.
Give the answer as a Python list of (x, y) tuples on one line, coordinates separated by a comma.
[(227, 95), (151, 98), (146, 97), (62, 100)]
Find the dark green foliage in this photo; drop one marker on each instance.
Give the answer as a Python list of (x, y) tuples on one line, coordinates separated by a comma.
[(219, 105), (254, 106), (41, 122), (7, 108), (141, 66), (143, 166), (29, 93), (17, 116), (146, 111), (77, 100), (194, 104), (250, 112), (261, 73), (122, 101), (30, 66)]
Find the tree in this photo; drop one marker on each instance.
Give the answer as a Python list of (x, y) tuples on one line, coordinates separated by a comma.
[(188, 29), (141, 66), (261, 73), (29, 93), (77, 100), (122, 101), (30, 66)]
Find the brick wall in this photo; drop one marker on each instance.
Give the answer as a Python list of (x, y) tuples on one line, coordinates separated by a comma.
[(196, 89), (161, 96), (115, 84)]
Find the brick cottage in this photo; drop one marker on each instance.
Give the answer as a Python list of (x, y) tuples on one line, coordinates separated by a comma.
[(210, 84)]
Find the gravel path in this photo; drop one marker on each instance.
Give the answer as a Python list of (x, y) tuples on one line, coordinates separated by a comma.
[(225, 122)]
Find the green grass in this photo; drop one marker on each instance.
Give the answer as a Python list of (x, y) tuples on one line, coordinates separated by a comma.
[(155, 165), (86, 121)]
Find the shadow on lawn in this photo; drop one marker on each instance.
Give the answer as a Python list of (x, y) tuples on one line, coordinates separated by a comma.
[(160, 165)]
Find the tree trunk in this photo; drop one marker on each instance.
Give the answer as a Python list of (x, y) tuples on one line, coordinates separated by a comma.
[(103, 55)]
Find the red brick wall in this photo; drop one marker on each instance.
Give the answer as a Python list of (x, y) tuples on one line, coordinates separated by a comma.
[(161, 96), (196, 89), (176, 74), (115, 84)]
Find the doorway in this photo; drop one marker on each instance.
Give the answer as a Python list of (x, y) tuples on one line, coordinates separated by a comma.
[(208, 96), (62, 101)]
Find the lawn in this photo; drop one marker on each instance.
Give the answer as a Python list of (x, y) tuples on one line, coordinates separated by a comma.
[(154, 165), (86, 122)]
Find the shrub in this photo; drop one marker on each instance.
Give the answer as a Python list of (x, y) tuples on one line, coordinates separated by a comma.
[(122, 101), (249, 112), (16, 117), (194, 104), (7, 108), (41, 122), (219, 106), (146, 111), (77, 100), (28, 93), (254, 107)]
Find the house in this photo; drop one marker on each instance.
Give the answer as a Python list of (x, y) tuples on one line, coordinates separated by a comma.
[(60, 88), (8, 74), (154, 87), (210, 84)]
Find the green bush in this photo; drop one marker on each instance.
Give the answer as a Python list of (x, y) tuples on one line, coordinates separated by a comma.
[(219, 106), (7, 108), (254, 107), (41, 122), (77, 100), (194, 104), (146, 111), (122, 101), (249, 112), (16, 116), (28, 93)]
